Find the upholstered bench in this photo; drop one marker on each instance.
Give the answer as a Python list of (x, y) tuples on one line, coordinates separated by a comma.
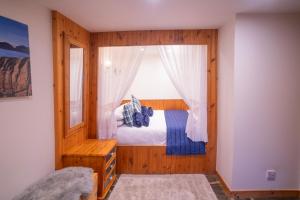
[(72, 183)]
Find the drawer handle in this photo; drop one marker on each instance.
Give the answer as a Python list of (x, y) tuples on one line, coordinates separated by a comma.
[(109, 156), (108, 180), (110, 167)]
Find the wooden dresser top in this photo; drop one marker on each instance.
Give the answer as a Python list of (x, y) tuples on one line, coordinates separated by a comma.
[(92, 147)]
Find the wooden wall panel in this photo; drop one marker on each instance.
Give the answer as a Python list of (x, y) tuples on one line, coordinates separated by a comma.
[(61, 26), (131, 38), (93, 89), (153, 160), (163, 104), (211, 147)]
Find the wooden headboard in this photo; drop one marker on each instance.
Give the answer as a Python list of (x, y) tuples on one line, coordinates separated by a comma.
[(163, 104)]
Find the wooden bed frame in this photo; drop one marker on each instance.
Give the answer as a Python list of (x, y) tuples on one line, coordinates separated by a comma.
[(153, 159), (146, 159)]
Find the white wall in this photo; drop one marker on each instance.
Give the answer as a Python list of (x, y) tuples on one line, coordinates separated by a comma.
[(152, 81), (266, 98), (27, 127), (225, 101)]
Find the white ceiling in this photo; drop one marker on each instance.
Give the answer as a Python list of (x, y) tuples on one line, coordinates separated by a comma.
[(120, 15)]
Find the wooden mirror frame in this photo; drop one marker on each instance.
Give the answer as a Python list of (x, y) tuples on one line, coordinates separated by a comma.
[(68, 41)]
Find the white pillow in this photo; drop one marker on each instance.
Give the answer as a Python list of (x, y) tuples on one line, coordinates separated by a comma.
[(119, 113)]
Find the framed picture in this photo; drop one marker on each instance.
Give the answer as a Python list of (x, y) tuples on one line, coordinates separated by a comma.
[(15, 74)]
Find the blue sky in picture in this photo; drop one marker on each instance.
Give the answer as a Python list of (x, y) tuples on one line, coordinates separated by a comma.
[(14, 33)]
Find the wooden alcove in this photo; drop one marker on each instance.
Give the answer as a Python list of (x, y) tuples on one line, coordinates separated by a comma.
[(153, 159), (132, 159)]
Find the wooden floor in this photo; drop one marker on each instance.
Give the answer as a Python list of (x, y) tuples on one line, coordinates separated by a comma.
[(153, 160)]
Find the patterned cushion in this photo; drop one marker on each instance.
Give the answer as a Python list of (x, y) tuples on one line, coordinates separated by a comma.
[(136, 104), (127, 114)]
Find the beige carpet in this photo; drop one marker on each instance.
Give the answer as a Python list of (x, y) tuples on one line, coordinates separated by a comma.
[(163, 187)]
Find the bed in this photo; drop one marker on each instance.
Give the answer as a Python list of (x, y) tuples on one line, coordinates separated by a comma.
[(166, 127), (151, 157), (155, 134)]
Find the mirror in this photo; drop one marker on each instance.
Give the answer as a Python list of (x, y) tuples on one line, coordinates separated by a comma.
[(76, 85), (74, 76)]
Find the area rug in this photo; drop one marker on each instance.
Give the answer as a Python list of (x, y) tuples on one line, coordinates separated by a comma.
[(164, 187)]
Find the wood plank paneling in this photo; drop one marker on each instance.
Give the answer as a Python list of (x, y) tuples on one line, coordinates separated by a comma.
[(63, 26), (128, 155), (163, 104), (211, 147), (161, 37), (153, 160), (93, 78)]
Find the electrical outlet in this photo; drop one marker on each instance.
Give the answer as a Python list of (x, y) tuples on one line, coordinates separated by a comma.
[(271, 175)]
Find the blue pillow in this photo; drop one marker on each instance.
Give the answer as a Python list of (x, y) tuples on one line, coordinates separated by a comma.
[(136, 104), (127, 114), (150, 112), (144, 110), (146, 120), (137, 119)]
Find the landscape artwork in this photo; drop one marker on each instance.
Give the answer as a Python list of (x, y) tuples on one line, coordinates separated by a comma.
[(15, 76)]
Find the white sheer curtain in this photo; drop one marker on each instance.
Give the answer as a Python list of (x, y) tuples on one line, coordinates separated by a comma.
[(76, 70), (118, 67), (186, 66)]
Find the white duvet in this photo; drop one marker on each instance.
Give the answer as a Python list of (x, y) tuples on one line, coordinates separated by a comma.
[(154, 134)]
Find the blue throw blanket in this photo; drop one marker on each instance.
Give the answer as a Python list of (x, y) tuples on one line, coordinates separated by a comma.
[(177, 141)]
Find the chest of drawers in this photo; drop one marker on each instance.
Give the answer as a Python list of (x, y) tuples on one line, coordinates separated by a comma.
[(99, 155)]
